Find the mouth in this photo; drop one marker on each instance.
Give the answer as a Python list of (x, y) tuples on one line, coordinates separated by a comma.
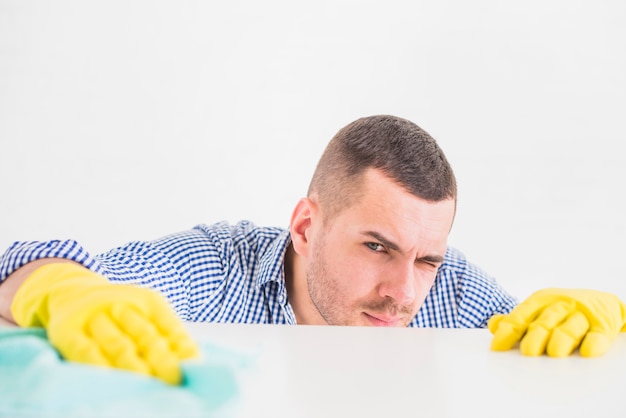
[(382, 320)]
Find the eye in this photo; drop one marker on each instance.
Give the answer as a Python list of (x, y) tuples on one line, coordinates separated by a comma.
[(431, 265), (374, 246)]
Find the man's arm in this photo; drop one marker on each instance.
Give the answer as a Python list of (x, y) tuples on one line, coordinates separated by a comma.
[(88, 315), (12, 283), (90, 320), (21, 259), (98, 310)]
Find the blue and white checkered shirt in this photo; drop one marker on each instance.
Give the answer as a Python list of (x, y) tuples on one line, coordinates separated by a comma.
[(234, 273)]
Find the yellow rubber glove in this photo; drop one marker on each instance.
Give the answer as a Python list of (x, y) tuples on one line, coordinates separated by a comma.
[(557, 321), (91, 320)]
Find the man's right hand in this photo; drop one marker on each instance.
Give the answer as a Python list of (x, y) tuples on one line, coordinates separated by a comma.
[(91, 320)]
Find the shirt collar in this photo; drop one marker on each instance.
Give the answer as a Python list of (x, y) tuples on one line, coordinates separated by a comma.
[(272, 262)]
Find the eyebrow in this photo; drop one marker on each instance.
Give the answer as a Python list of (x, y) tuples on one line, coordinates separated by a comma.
[(431, 258)]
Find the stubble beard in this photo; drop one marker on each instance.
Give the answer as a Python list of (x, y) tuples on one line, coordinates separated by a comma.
[(324, 296), (322, 291)]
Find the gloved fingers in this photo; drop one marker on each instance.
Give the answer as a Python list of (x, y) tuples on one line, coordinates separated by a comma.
[(175, 332), (182, 344), (506, 336), (75, 346), (567, 336), (139, 328), (165, 364), (595, 344), (539, 331), (186, 348), (115, 344), (494, 321), (153, 347), (510, 329)]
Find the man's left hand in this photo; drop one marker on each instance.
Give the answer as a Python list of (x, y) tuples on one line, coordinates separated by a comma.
[(557, 321)]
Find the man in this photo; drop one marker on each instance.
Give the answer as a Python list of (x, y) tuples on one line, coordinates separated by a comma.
[(367, 246)]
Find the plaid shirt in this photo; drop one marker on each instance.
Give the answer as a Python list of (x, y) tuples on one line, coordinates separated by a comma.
[(234, 273)]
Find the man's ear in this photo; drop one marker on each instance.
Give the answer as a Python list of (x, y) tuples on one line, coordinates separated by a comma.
[(301, 225)]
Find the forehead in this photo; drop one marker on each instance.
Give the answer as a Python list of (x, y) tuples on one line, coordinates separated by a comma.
[(382, 204)]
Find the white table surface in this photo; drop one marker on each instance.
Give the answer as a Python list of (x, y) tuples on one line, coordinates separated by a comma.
[(310, 371), (305, 371)]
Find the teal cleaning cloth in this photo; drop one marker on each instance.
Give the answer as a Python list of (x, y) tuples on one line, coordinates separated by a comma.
[(36, 382)]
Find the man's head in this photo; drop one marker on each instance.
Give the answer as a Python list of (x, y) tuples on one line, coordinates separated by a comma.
[(368, 239), (397, 147)]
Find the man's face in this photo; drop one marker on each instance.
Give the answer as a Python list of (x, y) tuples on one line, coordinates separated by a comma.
[(375, 262)]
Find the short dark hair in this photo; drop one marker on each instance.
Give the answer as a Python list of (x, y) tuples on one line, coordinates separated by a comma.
[(398, 147)]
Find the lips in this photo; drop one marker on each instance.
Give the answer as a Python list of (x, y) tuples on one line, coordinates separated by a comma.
[(382, 320)]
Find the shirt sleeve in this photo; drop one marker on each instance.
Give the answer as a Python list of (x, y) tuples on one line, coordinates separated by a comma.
[(480, 297), (21, 253), (186, 267), (189, 268)]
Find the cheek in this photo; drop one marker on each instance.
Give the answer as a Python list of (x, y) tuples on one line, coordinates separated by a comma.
[(355, 277), (425, 281)]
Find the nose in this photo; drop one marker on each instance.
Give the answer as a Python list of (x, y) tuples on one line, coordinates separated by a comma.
[(400, 285)]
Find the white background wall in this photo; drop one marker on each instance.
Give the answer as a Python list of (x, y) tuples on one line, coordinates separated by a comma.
[(131, 120)]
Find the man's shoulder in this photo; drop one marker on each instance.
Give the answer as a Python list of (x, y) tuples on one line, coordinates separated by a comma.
[(456, 266), (454, 260), (241, 231), (244, 238), (463, 296)]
